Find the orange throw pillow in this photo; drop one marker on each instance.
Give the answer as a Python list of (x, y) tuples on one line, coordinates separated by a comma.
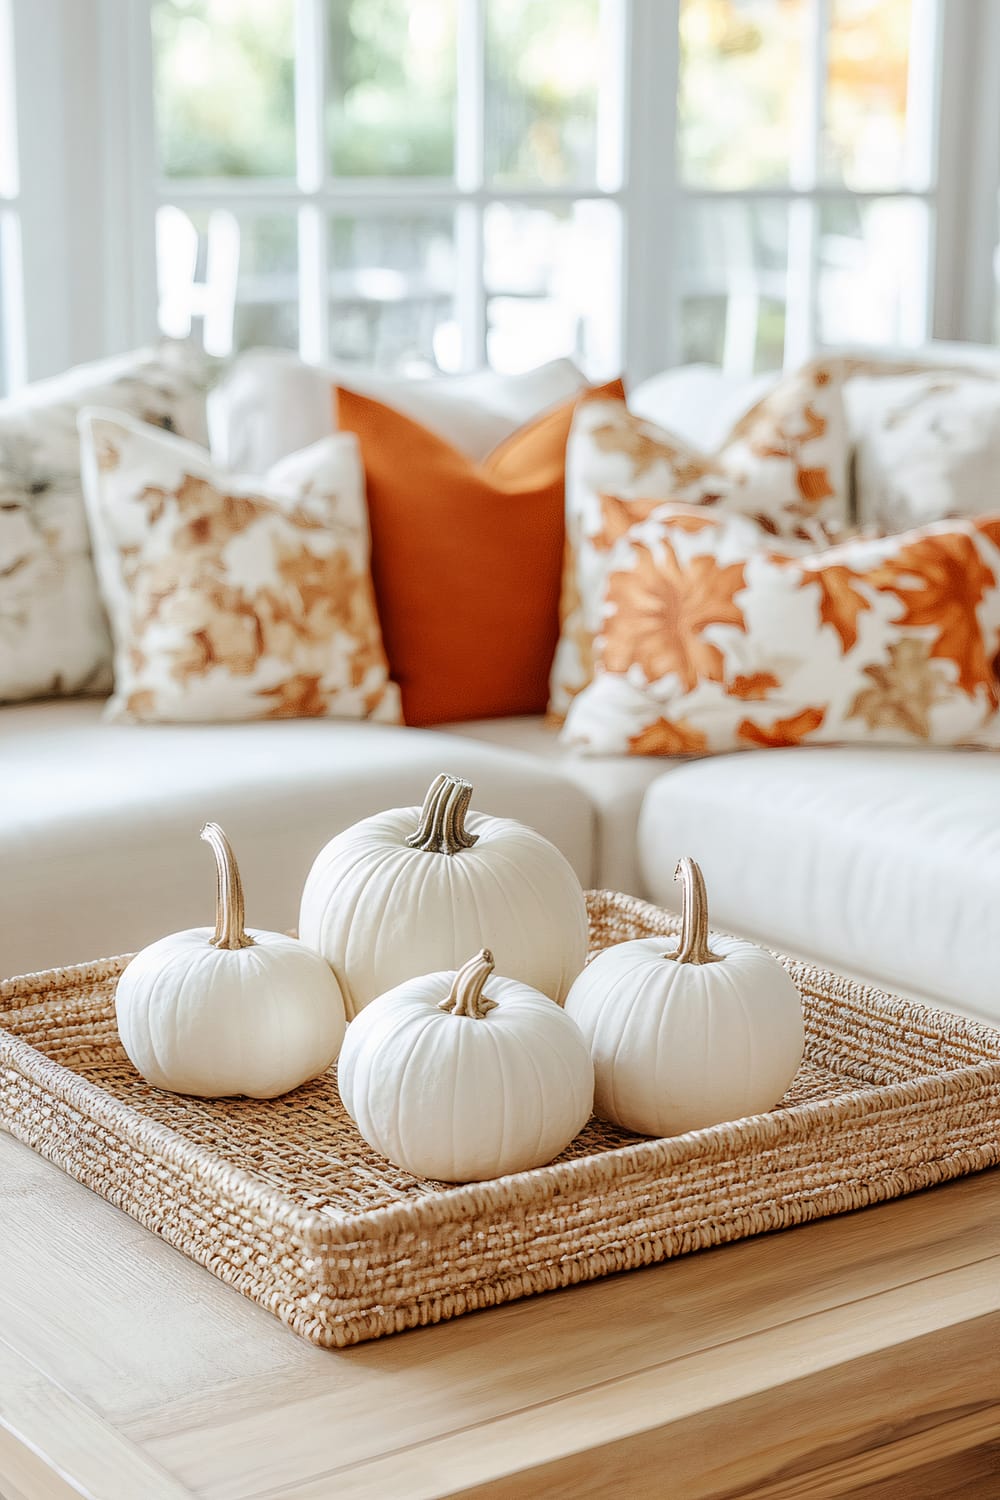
[(466, 559)]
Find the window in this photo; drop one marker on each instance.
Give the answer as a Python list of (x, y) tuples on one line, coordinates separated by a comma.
[(416, 184), (11, 322), (806, 162), (434, 184)]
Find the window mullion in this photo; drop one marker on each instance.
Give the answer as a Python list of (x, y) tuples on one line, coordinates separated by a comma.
[(129, 170), (921, 167), (611, 106), (470, 290), (13, 351), (652, 194), (612, 152), (470, 153), (978, 275), (8, 113), (311, 155), (42, 136), (967, 173), (923, 95), (801, 298)]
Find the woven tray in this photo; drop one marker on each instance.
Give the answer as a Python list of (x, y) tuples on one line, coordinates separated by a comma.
[(287, 1203)]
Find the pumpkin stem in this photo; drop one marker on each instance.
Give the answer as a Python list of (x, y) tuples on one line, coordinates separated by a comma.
[(466, 996), (694, 947), (441, 829), (229, 905)]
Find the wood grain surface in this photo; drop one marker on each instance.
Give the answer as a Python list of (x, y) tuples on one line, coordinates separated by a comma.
[(854, 1356)]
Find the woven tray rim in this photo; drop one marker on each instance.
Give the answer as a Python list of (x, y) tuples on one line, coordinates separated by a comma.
[(151, 1135), (718, 1143)]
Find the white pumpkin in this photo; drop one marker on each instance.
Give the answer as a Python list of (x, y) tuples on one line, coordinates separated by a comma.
[(456, 1084), (415, 890), (230, 1011), (689, 1035)]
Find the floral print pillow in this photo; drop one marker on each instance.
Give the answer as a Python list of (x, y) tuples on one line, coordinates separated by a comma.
[(53, 634), (711, 642), (784, 464), (233, 598)]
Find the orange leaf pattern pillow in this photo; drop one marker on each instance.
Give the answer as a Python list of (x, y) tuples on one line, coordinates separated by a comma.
[(784, 464), (233, 598), (709, 642)]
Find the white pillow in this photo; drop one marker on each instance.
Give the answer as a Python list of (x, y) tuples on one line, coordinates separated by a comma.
[(927, 446), (272, 404), (699, 403)]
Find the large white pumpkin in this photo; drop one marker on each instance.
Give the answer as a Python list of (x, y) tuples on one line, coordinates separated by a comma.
[(687, 1035), (454, 1083), (229, 1011), (416, 890)]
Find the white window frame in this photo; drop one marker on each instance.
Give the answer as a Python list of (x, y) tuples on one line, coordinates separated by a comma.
[(966, 293), (12, 331), (90, 185)]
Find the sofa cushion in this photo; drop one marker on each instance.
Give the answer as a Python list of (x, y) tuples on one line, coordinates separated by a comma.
[(272, 403), (698, 402), (927, 446), (99, 847), (615, 785), (885, 862), (701, 402), (53, 636)]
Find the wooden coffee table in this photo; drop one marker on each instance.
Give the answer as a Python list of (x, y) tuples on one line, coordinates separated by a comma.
[(860, 1355)]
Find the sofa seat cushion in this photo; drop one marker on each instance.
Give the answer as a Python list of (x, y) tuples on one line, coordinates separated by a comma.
[(615, 786), (884, 862), (99, 847)]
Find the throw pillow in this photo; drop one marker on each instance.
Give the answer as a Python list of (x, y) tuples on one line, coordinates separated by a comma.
[(466, 559), (53, 635), (272, 404), (710, 642), (927, 446), (233, 598), (784, 463)]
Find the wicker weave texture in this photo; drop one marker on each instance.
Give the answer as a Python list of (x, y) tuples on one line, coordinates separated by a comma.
[(284, 1200)]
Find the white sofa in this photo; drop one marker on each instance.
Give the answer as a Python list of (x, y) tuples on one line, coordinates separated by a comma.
[(883, 863)]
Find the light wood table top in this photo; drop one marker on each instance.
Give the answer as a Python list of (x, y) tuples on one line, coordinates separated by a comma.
[(860, 1355)]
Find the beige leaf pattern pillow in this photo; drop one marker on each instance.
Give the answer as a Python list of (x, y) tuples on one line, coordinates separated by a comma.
[(233, 598), (784, 464), (710, 642)]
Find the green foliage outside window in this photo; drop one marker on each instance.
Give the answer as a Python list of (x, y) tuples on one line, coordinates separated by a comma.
[(225, 80)]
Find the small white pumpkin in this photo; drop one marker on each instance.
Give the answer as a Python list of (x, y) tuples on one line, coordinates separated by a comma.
[(454, 1084), (230, 1011), (687, 1036), (414, 890)]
